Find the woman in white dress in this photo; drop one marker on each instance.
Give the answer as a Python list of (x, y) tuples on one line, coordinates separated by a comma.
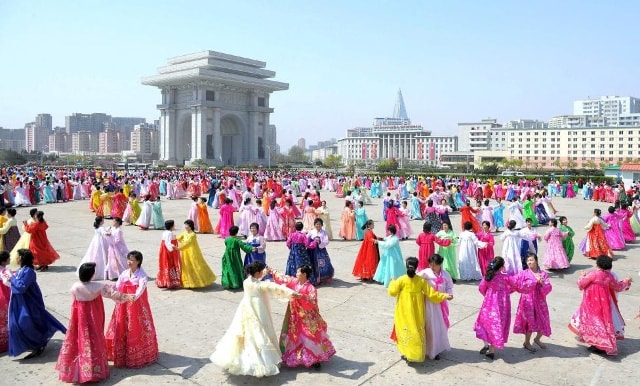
[(468, 254), (144, 220), (515, 213), (511, 241), (98, 250), (22, 199), (251, 346)]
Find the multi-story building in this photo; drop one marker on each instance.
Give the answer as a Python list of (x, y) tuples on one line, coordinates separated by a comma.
[(475, 135), (394, 137), (576, 121), (84, 142), (619, 111), (322, 153), (110, 141), (44, 121), (36, 138), (525, 124), (93, 123), (546, 148), (145, 139), (12, 139), (60, 140), (302, 143)]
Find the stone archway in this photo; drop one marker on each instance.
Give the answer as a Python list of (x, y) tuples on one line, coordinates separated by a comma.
[(184, 150), (231, 132)]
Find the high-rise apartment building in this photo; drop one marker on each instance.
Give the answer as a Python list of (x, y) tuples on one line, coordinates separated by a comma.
[(59, 140), (619, 111), (44, 121), (302, 143), (475, 135), (93, 123), (145, 139), (110, 141), (84, 142)]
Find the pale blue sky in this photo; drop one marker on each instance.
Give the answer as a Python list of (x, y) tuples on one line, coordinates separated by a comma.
[(455, 61)]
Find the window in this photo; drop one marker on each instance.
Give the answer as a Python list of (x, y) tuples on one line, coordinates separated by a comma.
[(261, 102), (210, 95)]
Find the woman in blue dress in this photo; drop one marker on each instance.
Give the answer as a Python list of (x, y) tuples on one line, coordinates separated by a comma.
[(416, 213), (30, 325), (256, 241), (319, 255), (391, 263), (498, 214), (361, 219), (49, 196)]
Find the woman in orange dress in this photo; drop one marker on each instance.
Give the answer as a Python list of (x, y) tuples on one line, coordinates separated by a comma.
[(203, 216), (348, 227), (43, 252)]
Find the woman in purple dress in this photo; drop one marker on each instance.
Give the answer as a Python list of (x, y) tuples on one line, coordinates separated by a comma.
[(533, 312), (494, 318)]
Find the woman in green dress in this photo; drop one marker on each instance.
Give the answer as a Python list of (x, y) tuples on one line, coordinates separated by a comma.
[(448, 253)]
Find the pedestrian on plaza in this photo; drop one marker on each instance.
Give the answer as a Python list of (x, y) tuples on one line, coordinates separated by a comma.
[(194, 270), (169, 272), (368, 256)]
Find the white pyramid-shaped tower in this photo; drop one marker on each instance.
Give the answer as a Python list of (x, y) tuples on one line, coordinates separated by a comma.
[(399, 111)]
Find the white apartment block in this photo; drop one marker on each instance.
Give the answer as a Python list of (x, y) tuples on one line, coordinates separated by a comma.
[(577, 121), (145, 139), (322, 153), (619, 111), (36, 138), (525, 124), (84, 142), (475, 135), (542, 148)]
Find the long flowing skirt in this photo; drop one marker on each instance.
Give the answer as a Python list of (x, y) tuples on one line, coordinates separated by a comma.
[(302, 350), (169, 273), (83, 355), (5, 294), (324, 268), (131, 336), (299, 255)]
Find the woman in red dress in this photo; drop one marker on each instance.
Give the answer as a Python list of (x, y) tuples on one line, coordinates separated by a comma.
[(368, 256), (169, 259), (43, 252), (83, 355), (468, 214), (131, 336)]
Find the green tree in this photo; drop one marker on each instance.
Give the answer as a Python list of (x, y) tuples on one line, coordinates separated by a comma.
[(386, 166), (333, 161), (199, 164), (296, 155)]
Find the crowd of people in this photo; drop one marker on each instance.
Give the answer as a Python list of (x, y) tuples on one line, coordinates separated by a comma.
[(254, 209)]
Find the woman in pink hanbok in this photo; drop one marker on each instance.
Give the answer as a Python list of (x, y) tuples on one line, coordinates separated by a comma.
[(405, 220), (117, 250), (485, 255), (437, 315), (614, 233), (533, 312), (226, 219), (309, 216), (494, 318), (555, 256), (598, 321), (288, 218), (304, 332), (273, 229), (426, 246), (486, 215), (625, 215), (570, 192), (393, 218)]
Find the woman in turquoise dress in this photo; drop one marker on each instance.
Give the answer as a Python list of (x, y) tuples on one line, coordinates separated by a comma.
[(391, 263), (361, 219)]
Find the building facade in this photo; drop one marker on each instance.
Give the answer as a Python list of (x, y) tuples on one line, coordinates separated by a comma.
[(581, 147), (83, 142), (215, 107), (144, 139), (619, 111), (12, 139), (577, 121), (475, 135), (111, 141), (60, 140), (94, 123)]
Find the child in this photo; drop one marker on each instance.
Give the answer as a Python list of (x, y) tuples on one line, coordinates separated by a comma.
[(555, 256), (85, 334), (195, 272), (426, 245), (368, 256), (468, 256), (411, 292), (232, 272), (169, 272), (258, 244), (437, 315), (298, 245), (131, 336), (319, 254), (5, 295), (391, 264), (533, 312), (567, 242), (494, 318)]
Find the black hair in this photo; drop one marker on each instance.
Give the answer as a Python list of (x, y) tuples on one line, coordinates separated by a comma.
[(318, 220), (246, 200), (12, 212), (467, 225), (604, 262), (86, 272), (611, 209), (137, 255), (535, 256), (26, 258), (255, 267), (191, 224), (448, 224), (98, 221), (254, 225), (118, 220), (347, 203), (411, 264), (486, 202), (392, 229), (511, 225), (436, 259), (562, 218), (169, 224), (4, 256), (299, 226), (40, 216), (258, 201), (228, 201), (529, 220), (553, 222), (288, 201), (233, 231), (367, 224), (306, 269), (273, 204), (494, 266), (33, 211), (597, 212), (426, 227), (486, 223), (429, 202)]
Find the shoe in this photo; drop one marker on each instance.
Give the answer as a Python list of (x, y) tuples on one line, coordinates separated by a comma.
[(35, 353), (490, 355), (528, 347), (454, 281), (484, 349), (540, 344), (317, 366), (437, 357)]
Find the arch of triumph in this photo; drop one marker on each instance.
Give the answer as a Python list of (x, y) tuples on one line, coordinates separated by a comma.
[(215, 107)]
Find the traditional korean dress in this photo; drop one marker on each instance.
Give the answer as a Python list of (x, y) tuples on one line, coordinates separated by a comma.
[(594, 243), (250, 346), (494, 318), (468, 256), (43, 252), (485, 255), (533, 313), (169, 272), (195, 272), (157, 217), (449, 253), (304, 340), (323, 213), (515, 214), (361, 219), (437, 314), (554, 256), (273, 230), (391, 261), (320, 256), (567, 242), (409, 331), (511, 251), (259, 254), (613, 234), (5, 296), (426, 248), (131, 336), (366, 262), (226, 220), (298, 245), (97, 253), (348, 225)]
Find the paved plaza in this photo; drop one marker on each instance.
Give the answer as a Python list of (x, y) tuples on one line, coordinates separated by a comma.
[(359, 316)]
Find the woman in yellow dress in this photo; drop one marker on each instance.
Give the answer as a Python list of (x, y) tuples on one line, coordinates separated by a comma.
[(409, 318), (195, 271), (25, 238)]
